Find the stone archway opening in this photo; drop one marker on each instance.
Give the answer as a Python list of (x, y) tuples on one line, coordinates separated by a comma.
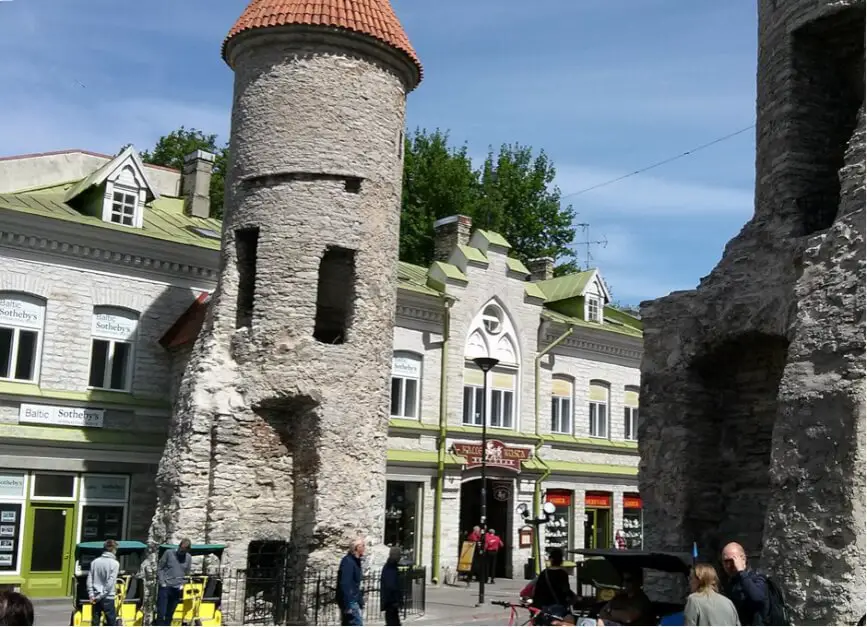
[(732, 424)]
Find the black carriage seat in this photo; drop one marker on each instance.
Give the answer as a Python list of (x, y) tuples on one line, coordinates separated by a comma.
[(135, 591), (213, 590)]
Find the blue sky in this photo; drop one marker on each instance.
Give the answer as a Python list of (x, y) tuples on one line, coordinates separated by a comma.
[(604, 86)]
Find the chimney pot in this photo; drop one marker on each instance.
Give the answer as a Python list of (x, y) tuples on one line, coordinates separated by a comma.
[(449, 233), (541, 269), (196, 183)]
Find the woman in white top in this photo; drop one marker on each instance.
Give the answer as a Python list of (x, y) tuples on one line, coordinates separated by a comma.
[(706, 606)]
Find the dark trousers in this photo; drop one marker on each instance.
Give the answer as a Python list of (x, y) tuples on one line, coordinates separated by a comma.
[(106, 607), (167, 602), (491, 565), (392, 616)]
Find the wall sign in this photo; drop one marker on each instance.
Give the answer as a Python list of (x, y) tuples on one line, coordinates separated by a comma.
[(631, 502), (502, 492), (65, 416), (117, 325), (104, 487), (22, 311), (406, 367), (12, 484), (498, 454), (597, 500), (559, 498)]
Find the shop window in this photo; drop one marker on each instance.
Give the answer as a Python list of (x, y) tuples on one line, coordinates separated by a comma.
[(633, 522), (12, 496), (335, 295), (246, 253), (402, 518), (630, 414), (111, 356), (22, 319), (561, 406), (597, 520), (405, 385), (53, 486), (598, 409), (558, 530)]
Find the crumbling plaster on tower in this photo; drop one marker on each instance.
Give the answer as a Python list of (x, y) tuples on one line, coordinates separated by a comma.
[(753, 384)]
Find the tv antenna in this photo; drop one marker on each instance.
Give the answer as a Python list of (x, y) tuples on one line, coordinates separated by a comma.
[(587, 243)]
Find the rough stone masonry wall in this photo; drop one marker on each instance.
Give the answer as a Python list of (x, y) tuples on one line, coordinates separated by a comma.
[(278, 435), (753, 418)]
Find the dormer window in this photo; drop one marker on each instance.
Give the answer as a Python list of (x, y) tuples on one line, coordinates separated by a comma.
[(123, 206), (594, 309)]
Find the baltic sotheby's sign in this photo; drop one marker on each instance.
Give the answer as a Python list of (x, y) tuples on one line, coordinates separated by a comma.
[(66, 416), (499, 455)]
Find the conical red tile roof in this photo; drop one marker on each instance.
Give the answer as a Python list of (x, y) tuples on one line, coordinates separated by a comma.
[(375, 18)]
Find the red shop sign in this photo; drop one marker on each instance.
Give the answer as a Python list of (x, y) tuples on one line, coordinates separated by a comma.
[(597, 500), (560, 498), (498, 454), (631, 502)]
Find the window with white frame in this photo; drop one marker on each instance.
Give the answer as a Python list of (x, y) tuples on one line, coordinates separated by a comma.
[(22, 319), (474, 398), (124, 203), (112, 352), (502, 399), (405, 385), (561, 405), (630, 414), (594, 309), (598, 409), (123, 200)]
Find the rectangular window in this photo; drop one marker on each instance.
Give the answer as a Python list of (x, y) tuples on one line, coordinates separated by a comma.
[(473, 401), (110, 364), (18, 353), (630, 423), (561, 414), (404, 397), (246, 251), (593, 309), (502, 402), (598, 420), (123, 206), (403, 513), (335, 295)]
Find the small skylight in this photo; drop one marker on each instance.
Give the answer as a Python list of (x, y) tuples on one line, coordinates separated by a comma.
[(209, 233)]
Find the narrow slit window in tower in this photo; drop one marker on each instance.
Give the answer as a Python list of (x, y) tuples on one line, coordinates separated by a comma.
[(246, 245), (335, 295)]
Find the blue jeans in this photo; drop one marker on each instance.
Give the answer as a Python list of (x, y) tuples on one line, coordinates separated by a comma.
[(104, 606), (167, 601), (352, 615)]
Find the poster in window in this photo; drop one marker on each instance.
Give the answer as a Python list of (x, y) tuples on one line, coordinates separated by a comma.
[(7, 561), (7, 530), (7, 545), (10, 532), (90, 533), (92, 518), (8, 516), (112, 518), (111, 532), (103, 522)]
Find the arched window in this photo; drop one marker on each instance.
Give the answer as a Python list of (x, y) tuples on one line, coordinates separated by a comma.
[(561, 405), (599, 409), (114, 334), (22, 320), (630, 413), (405, 385)]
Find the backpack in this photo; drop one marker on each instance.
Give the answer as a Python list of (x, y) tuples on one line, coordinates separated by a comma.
[(778, 611)]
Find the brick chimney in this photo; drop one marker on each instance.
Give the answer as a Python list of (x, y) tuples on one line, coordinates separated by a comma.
[(449, 233), (196, 183), (541, 269)]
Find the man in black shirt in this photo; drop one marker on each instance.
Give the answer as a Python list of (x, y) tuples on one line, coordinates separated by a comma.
[(552, 593), (746, 588)]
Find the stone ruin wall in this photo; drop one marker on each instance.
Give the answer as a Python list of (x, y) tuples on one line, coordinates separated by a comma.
[(753, 414), (279, 431)]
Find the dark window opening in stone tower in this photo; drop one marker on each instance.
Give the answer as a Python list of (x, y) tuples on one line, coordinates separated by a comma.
[(352, 184), (335, 295), (828, 59), (246, 246), (267, 558), (732, 422)]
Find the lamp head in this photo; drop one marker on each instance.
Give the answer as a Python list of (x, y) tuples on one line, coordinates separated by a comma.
[(549, 508), (523, 510), (485, 363)]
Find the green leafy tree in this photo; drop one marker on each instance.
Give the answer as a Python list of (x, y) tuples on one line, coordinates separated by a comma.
[(171, 149)]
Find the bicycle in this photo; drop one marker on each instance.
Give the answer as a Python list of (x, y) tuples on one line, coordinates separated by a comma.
[(534, 612)]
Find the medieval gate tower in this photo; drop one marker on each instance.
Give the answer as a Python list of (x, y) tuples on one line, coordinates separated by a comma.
[(279, 430)]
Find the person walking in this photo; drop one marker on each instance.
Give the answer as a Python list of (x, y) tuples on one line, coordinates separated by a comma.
[(493, 544), (746, 588), (350, 598), (172, 570), (15, 609), (102, 582), (390, 590), (706, 606), (551, 592)]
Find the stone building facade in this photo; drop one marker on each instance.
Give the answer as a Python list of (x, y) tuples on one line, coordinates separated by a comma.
[(98, 259), (753, 384)]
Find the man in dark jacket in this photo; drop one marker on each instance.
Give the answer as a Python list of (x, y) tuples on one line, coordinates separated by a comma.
[(746, 588), (350, 599), (390, 589)]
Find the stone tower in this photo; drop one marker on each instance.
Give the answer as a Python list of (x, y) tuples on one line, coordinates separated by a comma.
[(753, 384), (279, 431)]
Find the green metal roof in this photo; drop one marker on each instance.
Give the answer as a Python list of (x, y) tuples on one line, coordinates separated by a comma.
[(567, 286), (414, 278), (450, 271), (516, 265), (494, 238), (531, 289), (164, 218), (472, 253), (622, 329)]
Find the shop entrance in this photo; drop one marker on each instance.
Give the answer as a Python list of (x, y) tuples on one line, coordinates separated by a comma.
[(48, 552), (499, 504), (597, 521)]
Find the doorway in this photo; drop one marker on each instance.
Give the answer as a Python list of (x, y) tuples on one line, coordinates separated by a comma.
[(48, 551), (597, 528), (499, 505)]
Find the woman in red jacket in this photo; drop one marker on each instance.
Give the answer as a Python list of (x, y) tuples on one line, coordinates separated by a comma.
[(493, 544)]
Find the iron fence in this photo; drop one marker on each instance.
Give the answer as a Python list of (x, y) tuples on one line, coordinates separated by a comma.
[(277, 597)]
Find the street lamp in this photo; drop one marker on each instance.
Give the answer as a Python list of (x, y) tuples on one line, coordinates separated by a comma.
[(485, 364)]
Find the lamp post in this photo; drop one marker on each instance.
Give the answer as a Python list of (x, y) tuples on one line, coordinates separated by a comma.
[(485, 364)]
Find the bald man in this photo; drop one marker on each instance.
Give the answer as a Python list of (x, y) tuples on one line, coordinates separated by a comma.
[(746, 588), (350, 598)]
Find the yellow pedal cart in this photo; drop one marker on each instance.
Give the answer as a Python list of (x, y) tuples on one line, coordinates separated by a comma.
[(129, 595), (202, 594)]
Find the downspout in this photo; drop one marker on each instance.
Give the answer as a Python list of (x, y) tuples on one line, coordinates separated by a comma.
[(441, 440), (540, 442)]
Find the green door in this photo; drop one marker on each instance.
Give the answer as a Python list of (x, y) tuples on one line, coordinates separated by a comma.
[(48, 554)]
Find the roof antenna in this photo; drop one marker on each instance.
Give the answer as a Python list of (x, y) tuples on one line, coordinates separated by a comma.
[(587, 243)]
